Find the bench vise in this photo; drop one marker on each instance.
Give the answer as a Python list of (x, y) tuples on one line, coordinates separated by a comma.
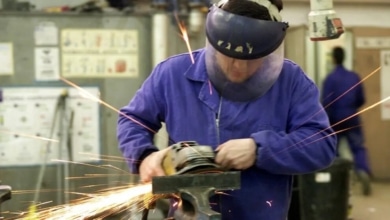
[(193, 177)]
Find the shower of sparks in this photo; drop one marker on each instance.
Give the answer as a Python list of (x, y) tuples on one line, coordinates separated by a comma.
[(184, 35), (28, 135), (21, 192), (119, 199), (104, 166), (334, 133), (360, 82), (364, 110), (343, 94), (341, 121), (84, 93), (99, 205), (104, 157)]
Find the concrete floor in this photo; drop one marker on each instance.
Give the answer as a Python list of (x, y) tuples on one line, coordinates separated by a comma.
[(374, 207)]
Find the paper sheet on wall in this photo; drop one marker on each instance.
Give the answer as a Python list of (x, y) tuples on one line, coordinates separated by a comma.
[(47, 64), (99, 53), (46, 33), (6, 59), (27, 132), (385, 83), (372, 42)]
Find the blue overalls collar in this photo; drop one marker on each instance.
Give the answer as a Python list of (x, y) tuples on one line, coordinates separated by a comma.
[(197, 71)]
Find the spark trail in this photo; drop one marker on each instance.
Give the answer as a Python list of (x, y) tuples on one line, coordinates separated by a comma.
[(341, 121), (27, 135), (301, 142), (184, 35), (97, 206), (84, 93), (343, 94)]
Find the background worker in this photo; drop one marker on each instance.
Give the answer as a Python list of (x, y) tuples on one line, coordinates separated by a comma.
[(343, 104), (259, 111)]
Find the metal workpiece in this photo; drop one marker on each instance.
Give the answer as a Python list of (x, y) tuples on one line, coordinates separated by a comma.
[(193, 176), (174, 183), (195, 204), (5, 193), (194, 191)]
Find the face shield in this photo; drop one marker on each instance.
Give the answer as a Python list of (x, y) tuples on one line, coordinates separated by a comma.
[(244, 56)]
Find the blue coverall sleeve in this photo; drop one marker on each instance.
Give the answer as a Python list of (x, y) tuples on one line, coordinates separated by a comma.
[(309, 143), (139, 121)]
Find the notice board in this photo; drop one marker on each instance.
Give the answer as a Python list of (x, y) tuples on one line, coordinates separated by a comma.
[(31, 132)]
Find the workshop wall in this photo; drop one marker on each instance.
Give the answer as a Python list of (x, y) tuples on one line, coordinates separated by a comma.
[(18, 29), (372, 50), (39, 4)]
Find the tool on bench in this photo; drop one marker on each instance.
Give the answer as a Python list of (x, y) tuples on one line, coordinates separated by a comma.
[(193, 176)]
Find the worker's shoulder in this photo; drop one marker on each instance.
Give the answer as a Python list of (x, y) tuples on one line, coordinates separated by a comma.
[(181, 60), (350, 74), (294, 71), (175, 68), (290, 64)]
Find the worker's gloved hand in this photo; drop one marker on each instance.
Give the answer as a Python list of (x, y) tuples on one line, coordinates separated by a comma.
[(237, 154), (152, 165)]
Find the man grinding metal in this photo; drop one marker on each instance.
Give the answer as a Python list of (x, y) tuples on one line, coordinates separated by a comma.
[(259, 112)]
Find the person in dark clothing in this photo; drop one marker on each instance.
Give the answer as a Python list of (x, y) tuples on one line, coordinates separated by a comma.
[(342, 96)]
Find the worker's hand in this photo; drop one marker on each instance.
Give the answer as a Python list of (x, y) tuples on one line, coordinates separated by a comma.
[(152, 165), (237, 154)]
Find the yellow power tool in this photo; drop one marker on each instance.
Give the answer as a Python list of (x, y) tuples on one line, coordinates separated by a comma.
[(193, 177), (190, 157)]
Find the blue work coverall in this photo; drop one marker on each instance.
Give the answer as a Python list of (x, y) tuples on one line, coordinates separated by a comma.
[(342, 96), (288, 124)]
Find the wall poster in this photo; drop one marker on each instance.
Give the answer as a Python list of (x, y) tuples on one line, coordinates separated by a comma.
[(99, 53)]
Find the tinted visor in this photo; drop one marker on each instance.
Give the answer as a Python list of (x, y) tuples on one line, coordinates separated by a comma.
[(242, 37)]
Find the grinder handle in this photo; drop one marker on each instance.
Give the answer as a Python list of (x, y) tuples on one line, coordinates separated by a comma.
[(167, 163)]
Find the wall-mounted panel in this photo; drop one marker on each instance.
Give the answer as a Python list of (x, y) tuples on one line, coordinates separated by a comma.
[(19, 30)]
